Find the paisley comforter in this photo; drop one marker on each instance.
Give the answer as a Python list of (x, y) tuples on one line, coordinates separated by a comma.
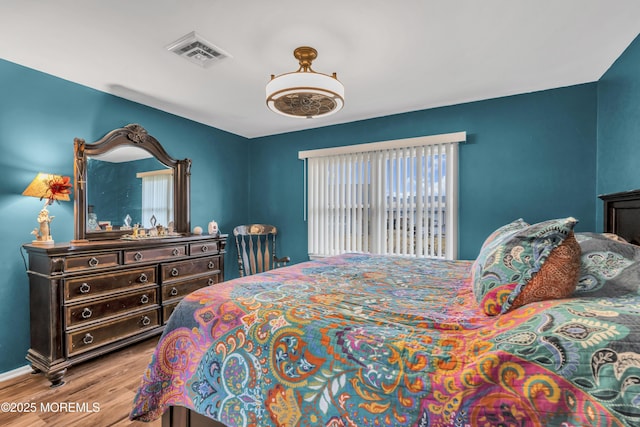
[(365, 340)]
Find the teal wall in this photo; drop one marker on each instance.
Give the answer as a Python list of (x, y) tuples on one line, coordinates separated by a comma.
[(40, 115), (530, 156), (619, 126)]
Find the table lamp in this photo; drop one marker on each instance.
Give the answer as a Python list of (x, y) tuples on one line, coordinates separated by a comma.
[(47, 187)]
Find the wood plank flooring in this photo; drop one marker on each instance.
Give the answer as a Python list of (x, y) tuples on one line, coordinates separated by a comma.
[(109, 381)]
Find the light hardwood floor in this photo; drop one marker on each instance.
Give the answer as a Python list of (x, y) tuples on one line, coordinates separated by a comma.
[(109, 381)]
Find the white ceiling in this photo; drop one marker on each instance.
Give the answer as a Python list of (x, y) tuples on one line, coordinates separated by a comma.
[(391, 56)]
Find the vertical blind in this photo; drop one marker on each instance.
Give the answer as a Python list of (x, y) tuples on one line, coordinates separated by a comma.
[(394, 197)]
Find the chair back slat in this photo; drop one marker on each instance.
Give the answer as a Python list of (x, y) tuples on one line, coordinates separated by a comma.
[(268, 261), (258, 252), (252, 256), (245, 253)]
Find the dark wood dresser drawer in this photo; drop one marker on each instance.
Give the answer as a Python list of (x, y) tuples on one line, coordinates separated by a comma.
[(88, 338), (89, 262), (167, 310), (80, 314), (181, 289), (155, 254), (99, 284), (204, 248), (184, 269)]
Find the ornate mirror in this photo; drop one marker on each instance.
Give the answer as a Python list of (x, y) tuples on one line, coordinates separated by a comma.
[(127, 180)]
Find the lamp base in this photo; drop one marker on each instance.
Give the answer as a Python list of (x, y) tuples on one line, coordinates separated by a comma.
[(43, 243)]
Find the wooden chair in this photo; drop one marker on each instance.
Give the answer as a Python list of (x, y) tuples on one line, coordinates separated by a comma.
[(256, 245)]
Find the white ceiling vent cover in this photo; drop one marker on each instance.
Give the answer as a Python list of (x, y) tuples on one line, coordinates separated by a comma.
[(194, 48)]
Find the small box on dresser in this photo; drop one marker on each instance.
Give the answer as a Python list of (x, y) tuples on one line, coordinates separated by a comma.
[(91, 298)]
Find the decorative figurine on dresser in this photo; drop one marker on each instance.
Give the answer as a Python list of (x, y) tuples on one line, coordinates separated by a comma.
[(109, 288)]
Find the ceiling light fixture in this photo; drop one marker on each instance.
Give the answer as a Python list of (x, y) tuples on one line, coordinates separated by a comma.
[(305, 93)]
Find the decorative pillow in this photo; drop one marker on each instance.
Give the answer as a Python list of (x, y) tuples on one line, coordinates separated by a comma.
[(518, 224), (557, 278), (610, 268), (507, 265)]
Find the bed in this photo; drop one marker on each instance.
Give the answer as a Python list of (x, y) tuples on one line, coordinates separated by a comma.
[(370, 340)]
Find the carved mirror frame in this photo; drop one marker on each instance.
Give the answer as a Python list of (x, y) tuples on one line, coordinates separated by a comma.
[(136, 136)]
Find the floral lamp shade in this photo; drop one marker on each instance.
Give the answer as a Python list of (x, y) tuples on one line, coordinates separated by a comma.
[(48, 187)]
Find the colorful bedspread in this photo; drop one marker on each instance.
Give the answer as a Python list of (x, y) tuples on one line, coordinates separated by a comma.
[(362, 340)]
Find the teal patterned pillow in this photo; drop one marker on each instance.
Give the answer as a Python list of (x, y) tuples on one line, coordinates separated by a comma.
[(518, 224), (499, 234), (508, 262)]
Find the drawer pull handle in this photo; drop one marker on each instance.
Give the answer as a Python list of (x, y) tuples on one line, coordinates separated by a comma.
[(144, 299), (211, 265), (146, 321), (211, 281), (143, 278), (175, 252), (174, 272), (204, 248), (86, 313), (93, 262), (88, 339), (138, 256), (85, 288), (173, 292)]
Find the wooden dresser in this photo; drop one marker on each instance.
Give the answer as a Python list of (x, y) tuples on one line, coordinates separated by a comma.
[(91, 298)]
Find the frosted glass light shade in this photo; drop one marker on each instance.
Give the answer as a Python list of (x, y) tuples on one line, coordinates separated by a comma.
[(305, 94)]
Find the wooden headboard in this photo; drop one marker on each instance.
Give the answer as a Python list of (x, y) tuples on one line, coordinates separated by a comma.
[(622, 215)]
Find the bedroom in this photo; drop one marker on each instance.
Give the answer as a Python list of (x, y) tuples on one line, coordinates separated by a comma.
[(573, 143)]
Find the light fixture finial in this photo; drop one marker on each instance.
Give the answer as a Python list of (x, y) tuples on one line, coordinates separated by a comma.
[(305, 56)]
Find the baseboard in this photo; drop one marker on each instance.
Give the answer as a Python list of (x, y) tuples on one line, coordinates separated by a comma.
[(26, 369)]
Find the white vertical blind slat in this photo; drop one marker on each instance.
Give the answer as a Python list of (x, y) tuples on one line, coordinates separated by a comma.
[(429, 184), (324, 201), (367, 178), (312, 222), (336, 207), (413, 183), (452, 202), (385, 192), (420, 202), (398, 206), (357, 200), (343, 205), (440, 219), (349, 186)]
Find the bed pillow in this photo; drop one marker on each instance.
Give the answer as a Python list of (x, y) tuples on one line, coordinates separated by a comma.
[(509, 263), (610, 267), (497, 235), (518, 224)]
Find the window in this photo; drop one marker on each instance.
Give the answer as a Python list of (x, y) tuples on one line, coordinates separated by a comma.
[(157, 196), (393, 197)]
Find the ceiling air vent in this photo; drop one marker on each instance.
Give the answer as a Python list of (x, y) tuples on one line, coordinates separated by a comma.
[(194, 48)]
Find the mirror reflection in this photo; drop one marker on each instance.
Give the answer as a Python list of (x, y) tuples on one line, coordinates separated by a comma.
[(126, 187)]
